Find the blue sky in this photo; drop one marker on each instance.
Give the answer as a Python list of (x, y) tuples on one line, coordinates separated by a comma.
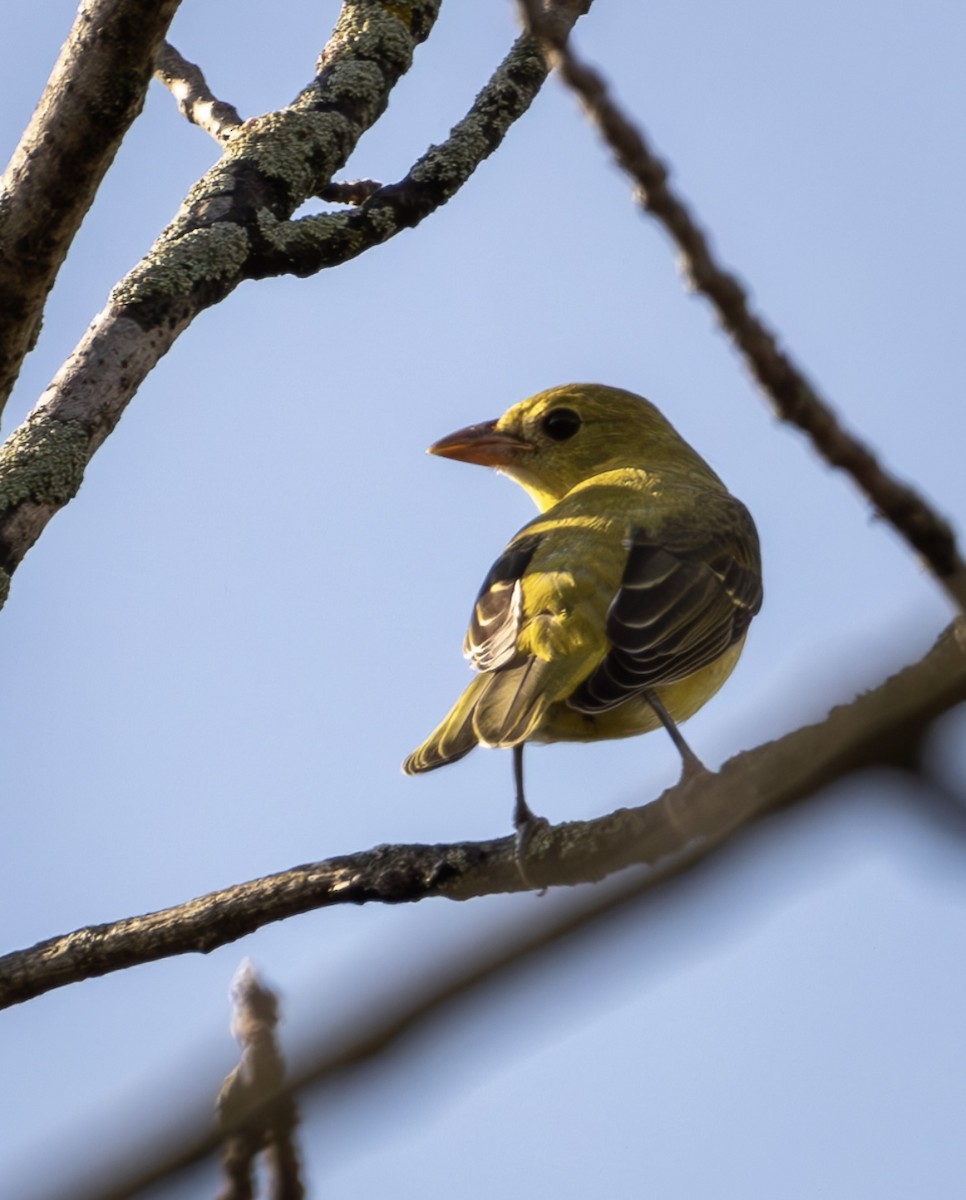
[(217, 656)]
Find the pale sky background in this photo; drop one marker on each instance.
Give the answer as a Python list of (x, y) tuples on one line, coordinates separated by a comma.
[(217, 656)]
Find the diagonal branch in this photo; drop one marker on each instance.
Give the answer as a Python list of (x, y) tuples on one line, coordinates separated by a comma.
[(685, 823), (235, 224), (373, 1036), (94, 93), (272, 164), (795, 398), (196, 101)]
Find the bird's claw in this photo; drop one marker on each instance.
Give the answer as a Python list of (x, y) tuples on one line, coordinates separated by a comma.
[(527, 828)]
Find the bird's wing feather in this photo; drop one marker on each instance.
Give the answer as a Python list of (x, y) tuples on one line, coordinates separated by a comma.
[(510, 697), (491, 640), (684, 599)]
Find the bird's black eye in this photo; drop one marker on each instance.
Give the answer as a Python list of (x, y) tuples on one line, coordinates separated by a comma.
[(561, 424)]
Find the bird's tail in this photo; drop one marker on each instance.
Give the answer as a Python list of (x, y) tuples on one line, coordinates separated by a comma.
[(453, 738), (499, 708)]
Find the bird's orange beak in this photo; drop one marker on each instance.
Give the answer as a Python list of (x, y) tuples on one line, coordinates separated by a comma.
[(483, 444)]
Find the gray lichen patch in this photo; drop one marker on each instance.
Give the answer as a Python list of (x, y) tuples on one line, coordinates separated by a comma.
[(43, 461), (176, 267), (296, 148), (354, 83), (326, 237)]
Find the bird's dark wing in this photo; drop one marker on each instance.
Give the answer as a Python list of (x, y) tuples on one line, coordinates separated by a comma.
[(684, 599), (491, 640)]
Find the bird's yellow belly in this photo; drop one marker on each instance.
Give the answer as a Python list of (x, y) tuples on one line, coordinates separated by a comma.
[(681, 699)]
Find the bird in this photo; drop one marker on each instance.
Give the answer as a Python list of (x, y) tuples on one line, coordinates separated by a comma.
[(622, 607)]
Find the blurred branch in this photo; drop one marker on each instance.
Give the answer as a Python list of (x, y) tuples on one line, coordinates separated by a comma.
[(681, 826), (408, 1012), (373, 1035), (795, 398), (94, 93), (186, 82), (256, 1111), (235, 224)]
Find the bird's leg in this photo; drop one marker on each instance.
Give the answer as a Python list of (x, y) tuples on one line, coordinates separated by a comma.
[(692, 765), (525, 821), (523, 815)]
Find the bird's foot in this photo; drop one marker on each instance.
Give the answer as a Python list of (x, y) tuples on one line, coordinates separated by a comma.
[(691, 766)]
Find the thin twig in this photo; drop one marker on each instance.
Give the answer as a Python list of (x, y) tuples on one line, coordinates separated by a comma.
[(256, 1111), (186, 82), (795, 398), (355, 191)]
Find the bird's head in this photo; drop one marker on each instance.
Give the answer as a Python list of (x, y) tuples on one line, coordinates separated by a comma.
[(557, 439)]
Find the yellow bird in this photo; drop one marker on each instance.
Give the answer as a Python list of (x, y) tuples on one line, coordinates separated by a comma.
[(622, 607)]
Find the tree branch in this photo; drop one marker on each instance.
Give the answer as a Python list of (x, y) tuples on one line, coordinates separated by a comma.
[(415, 1009), (354, 191), (94, 93), (686, 823), (795, 398), (322, 240), (235, 225), (256, 1111), (186, 82), (270, 166), (372, 1036)]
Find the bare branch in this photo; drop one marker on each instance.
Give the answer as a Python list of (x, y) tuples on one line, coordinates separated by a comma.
[(196, 101), (376, 1034), (412, 1010), (94, 93), (795, 398), (686, 823)]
